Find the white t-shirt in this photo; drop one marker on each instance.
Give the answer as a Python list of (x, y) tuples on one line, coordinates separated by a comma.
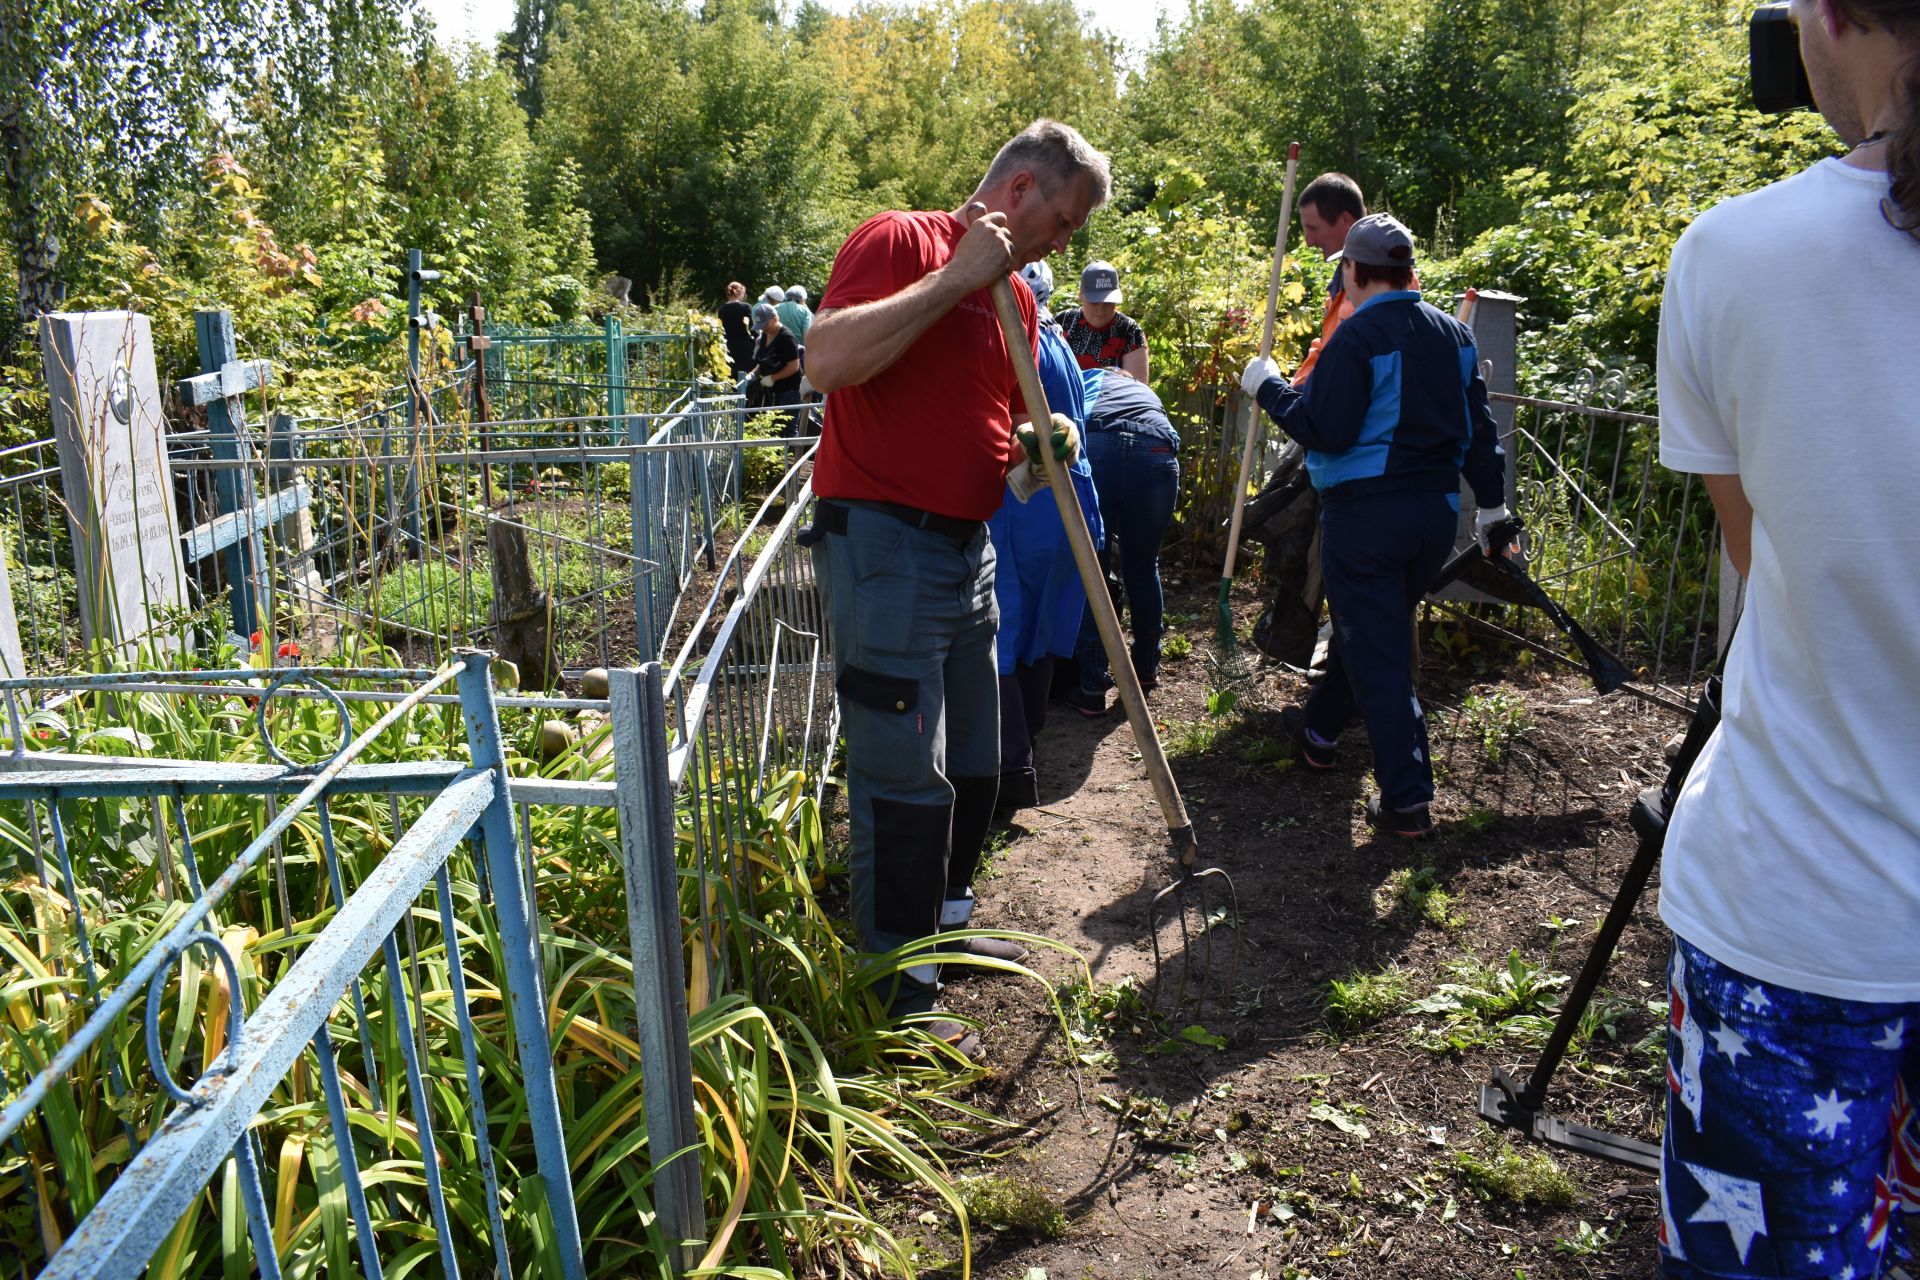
[(1790, 355)]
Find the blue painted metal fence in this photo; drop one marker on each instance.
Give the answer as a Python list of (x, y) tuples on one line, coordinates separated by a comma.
[(318, 1015)]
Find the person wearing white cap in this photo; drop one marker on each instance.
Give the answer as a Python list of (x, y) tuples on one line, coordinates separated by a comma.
[(1101, 336), (769, 300), (794, 312)]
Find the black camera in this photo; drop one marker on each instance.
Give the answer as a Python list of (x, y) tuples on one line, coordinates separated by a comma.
[(1773, 59)]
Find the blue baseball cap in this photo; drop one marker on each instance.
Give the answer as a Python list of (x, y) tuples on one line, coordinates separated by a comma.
[(1100, 282)]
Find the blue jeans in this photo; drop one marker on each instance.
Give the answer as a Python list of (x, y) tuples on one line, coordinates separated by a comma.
[(1137, 475), (912, 618), (1379, 554)]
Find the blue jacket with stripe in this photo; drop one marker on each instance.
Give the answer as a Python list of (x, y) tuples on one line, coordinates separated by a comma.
[(1396, 404)]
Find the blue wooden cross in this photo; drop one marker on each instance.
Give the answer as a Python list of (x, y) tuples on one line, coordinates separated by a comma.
[(224, 380)]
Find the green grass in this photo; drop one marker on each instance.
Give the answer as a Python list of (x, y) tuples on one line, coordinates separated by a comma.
[(1420, 895), (1495, 720), (1502, 1168), (1485, 1004), (1191, 737), (1362, 999), (1011, 1203), (1478, 820)]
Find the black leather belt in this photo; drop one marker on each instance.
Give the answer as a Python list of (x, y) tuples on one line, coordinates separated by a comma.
[(830, 516)]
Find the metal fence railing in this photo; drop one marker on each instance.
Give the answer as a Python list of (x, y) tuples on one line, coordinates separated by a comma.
[(583, 370), (308, 985), (37, 543), (756, 712), (1630, 549)]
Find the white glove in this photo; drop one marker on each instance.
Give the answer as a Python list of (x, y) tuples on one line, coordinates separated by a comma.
[(1484, 521), (1026, 480), (1261, 369), (766, 380)]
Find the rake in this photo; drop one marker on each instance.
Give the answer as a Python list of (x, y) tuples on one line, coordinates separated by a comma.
[(1187, 873), (1522, 1107)]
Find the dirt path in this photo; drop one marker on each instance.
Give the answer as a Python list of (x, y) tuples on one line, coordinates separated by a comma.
[(1265, 1134)]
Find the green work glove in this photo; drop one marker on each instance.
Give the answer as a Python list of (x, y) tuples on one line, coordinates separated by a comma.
[(1066, 442)]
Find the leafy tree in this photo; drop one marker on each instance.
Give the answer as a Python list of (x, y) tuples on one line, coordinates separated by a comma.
[(935, 90), (115, 99), (708, 148), (1661, 128)]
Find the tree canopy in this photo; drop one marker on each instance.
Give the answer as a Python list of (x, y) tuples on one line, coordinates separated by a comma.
[(278, 156)]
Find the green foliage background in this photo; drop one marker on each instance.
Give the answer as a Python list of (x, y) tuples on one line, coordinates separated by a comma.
[(1553, 148)]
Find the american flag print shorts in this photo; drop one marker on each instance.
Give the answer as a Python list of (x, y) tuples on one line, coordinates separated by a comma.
[(1792, 1148)]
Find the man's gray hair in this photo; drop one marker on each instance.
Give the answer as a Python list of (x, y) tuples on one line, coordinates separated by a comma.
[(1055, 154)]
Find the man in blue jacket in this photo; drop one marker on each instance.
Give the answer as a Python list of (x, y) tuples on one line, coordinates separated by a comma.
[(1394, 414)]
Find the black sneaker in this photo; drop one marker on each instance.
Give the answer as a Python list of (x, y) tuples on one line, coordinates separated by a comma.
[(1017, 791), (1408, 824), (1293, 723), (1091, 705)]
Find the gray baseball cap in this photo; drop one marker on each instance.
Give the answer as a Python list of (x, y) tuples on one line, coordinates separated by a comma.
[(1100, 282), (1379, 240)]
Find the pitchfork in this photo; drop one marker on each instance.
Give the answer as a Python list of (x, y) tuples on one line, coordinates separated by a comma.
[(1186, 853)]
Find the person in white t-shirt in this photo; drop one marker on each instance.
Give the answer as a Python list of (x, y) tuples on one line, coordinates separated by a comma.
[(1790, 382)]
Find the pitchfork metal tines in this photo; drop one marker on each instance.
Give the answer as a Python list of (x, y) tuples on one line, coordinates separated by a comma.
[(1196, 906)]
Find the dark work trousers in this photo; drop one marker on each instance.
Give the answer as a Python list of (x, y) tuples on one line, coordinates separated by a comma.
[(912, 618), (1137, 474), (1379, 553), (786, 395), (1023, 713)]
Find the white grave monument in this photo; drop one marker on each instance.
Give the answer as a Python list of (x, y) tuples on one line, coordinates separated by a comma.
[(116, 483), (12, 664)]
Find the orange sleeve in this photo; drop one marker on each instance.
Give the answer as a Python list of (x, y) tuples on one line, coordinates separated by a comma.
[(1338, 309)]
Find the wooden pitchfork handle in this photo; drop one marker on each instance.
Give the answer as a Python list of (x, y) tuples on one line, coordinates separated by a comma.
[(1179, 827), (1255, 420)]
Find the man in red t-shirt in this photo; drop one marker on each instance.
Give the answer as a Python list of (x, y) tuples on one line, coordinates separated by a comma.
[(914, 453)]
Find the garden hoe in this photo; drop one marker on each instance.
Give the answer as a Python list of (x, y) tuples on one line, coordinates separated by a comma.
[(1512, 1105), (1498, 576), (1250, 446), (1179, 827)]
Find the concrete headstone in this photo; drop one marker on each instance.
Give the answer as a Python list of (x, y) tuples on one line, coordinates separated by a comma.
[(12, 663), (115, 480)]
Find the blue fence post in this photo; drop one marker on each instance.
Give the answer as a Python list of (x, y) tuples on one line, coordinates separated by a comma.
[(644, 800), (232, 485), (641, 483), (616, 369), (520, 942)]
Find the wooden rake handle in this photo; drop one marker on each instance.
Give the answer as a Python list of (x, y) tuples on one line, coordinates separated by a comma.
[(1179, 827)]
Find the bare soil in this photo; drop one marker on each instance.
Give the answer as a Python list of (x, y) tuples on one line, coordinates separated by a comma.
[(1256, 1135)]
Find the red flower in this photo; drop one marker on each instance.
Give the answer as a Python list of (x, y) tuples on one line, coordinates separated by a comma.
[(255, 639), (43, 734), (288, 649)]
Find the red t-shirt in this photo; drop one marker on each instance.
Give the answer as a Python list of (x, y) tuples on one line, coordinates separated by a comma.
[(933, 429)]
